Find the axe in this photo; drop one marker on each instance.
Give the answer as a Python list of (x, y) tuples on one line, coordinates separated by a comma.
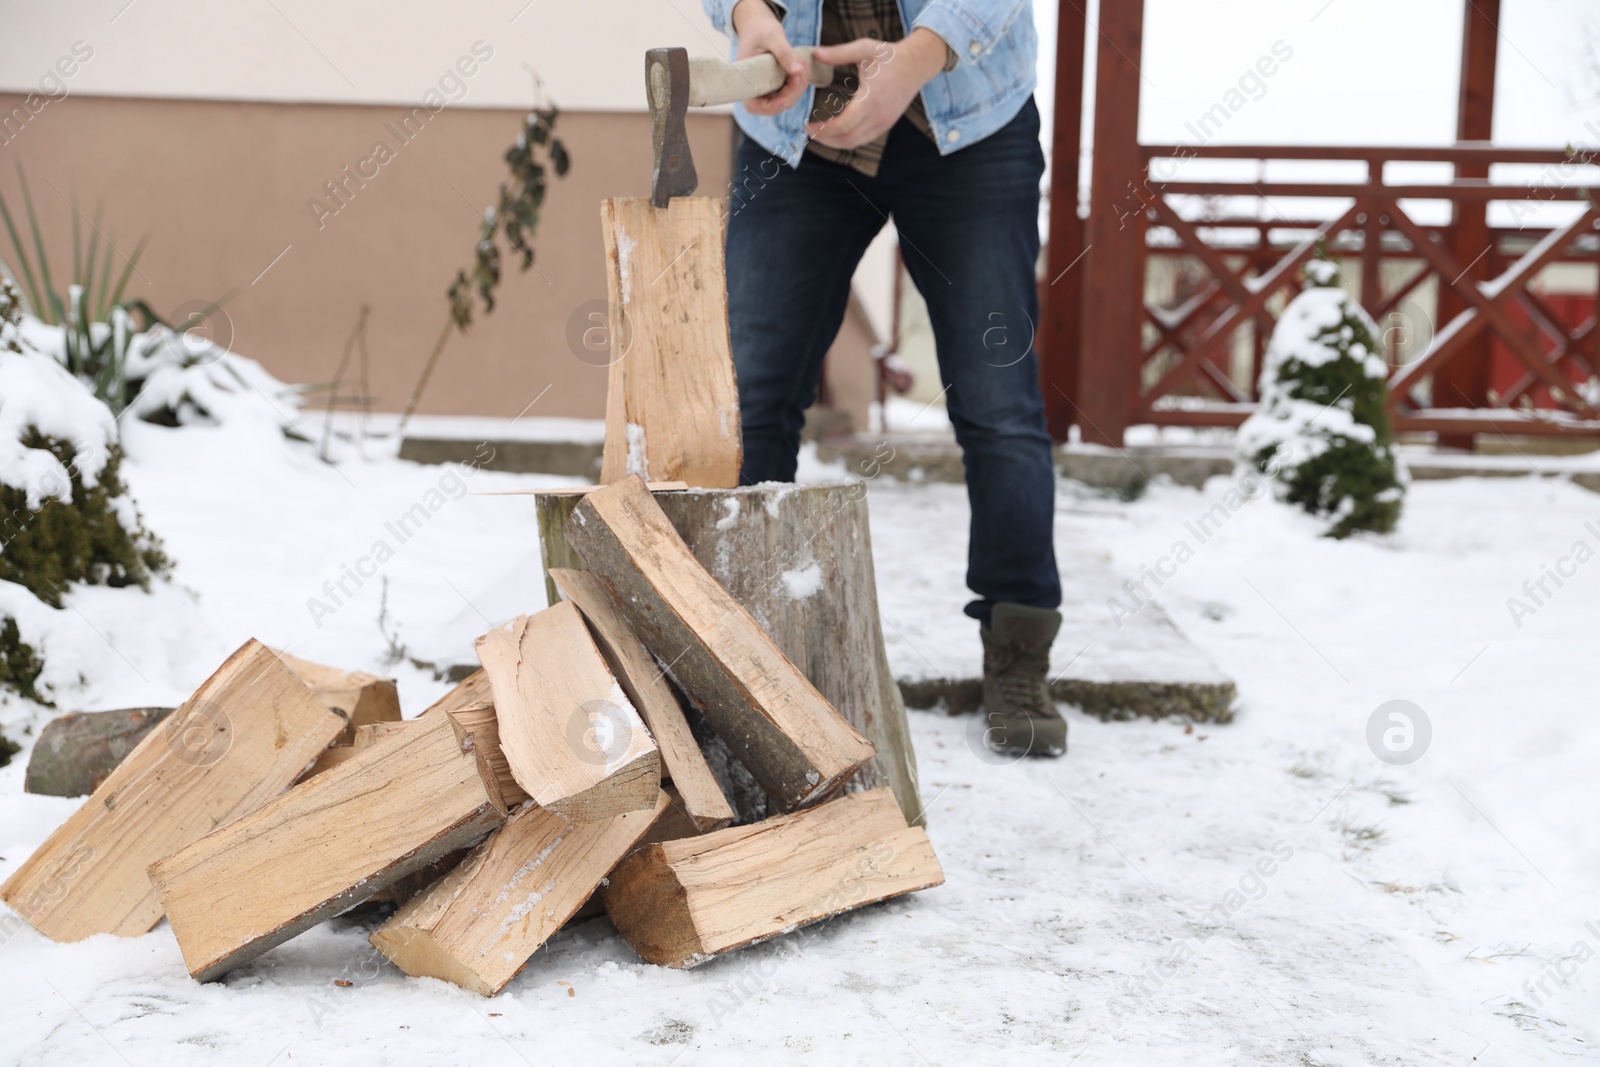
[(674, 83)]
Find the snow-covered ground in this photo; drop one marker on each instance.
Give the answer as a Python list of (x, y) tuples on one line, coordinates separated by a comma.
[(1264, 892)]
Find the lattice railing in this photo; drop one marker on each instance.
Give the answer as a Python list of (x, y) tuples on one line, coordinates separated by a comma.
[(1250, 269)]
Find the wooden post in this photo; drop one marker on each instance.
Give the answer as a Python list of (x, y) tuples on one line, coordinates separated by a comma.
[(1464, 380), (672, 407), (1060, 339), (1113, 301)]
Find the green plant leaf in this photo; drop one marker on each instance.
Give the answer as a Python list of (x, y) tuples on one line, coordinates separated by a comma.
[(35, 297), (96, 312), (57, 311), (104, 289), (122, 280)]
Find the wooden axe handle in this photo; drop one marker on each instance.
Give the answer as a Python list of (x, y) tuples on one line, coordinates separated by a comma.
[(715, 81)]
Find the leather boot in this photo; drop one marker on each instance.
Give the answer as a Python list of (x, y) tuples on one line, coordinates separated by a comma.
[(1021, 717)]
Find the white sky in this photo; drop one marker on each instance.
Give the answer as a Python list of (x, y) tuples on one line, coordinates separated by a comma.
[(1363, 71)]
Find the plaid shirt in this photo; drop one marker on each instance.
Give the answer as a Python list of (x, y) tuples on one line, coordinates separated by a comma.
[(848, 20)]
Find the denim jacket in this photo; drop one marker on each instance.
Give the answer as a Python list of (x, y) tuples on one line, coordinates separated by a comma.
[(994, 42)]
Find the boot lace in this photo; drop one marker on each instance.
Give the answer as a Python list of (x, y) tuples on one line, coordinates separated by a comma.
[(1020, 678)]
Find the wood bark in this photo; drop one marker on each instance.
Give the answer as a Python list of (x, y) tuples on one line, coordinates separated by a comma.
[(243, 737), (672, 407), (329, 843), (767, 712), (646, 686), (573, 740), (799, 558), (680, 903), (479, 925)]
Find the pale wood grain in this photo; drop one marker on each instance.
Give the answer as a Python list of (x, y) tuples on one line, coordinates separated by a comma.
[(762, 707), (482, 725), (479, 925), (360, 697), (799, 558), (680, 903), (672, 406), (573, 740), (243, 737), (331, 842), (473, 689), (646, 686)]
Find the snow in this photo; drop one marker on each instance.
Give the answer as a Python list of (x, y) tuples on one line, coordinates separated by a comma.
[(1258, 893), (36, 392), (626, 246), (638, 454), (802, 582)]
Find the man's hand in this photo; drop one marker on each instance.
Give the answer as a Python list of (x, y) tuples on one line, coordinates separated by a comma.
[(891, 77), (759, 30)]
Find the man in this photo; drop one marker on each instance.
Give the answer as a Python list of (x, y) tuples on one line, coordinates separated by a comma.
[(937, 128)]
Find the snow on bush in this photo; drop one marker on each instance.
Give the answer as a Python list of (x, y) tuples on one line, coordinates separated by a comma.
[(1322, 430), (65, 516)]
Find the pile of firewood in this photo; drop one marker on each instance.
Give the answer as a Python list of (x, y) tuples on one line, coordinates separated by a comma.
[(565, 769)]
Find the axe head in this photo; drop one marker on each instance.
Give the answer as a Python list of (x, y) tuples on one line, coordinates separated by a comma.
[(666, 76)]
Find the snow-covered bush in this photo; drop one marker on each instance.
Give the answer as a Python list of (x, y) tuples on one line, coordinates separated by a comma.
[(65, 515), (1322, 430)]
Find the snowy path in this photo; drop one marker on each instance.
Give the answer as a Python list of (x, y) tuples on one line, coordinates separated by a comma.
[(1262, 892)]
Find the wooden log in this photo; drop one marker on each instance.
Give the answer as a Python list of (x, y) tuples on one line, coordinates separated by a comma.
[(328, 758), (479, 925), (360, 697), (766, 711), (473, 689), (243, 737), (573, 740), (483, 726), (672, 407), (646, 686), (326, 844), (673, 822), (477, 722), (680, 903), (799, 558), (552, 510), (401, 890), (341, 750)]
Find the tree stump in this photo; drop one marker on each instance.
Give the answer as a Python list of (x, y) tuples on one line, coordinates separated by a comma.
[(799, 559)]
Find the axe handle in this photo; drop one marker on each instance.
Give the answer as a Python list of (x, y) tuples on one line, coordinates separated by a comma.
[(715, 81)]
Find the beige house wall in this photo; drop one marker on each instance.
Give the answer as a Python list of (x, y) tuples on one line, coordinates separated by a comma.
[(223, 191)]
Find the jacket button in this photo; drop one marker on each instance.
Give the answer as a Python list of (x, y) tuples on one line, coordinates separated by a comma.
[(975, 48), (953, 136)]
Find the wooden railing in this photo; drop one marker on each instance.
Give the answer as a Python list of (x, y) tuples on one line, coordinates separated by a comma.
[(1486, 305)]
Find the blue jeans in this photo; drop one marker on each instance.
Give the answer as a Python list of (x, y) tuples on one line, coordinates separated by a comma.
[(969, 235)]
